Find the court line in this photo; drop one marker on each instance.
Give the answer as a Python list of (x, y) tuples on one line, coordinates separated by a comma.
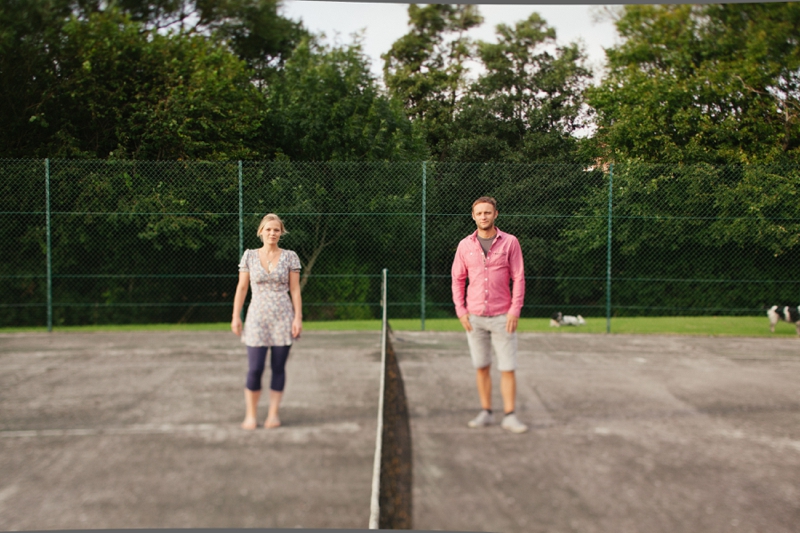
[(151, 429)]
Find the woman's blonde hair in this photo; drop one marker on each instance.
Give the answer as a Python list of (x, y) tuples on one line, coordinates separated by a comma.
[(269, 218)]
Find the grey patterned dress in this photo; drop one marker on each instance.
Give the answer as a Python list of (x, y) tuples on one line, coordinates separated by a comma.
[(269, 317)]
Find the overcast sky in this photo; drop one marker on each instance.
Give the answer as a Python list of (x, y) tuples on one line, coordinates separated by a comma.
[(384, 23)]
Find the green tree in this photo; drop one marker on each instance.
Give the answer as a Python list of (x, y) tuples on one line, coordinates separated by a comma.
[(699, 113), (526, 106), (687, 238), (254, 29), (327, 106), (336, 213), (133, 94), (168, 67), (30, 36), (426, 68), (702, 83)]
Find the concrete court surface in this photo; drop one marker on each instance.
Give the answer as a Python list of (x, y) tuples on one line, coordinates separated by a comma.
[(141, 430), (628, 434)]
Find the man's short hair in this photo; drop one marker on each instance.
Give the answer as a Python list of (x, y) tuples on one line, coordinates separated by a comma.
[(485, 200)]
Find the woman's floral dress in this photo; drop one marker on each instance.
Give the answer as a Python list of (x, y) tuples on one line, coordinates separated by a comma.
[(269, 316)]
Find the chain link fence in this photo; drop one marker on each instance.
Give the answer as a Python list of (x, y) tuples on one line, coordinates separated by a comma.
[(116, 242)]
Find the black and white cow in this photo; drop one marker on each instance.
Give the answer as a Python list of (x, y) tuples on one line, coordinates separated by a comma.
[(776, 313)]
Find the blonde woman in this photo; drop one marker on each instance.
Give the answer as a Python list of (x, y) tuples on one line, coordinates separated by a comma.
[(274, 317)]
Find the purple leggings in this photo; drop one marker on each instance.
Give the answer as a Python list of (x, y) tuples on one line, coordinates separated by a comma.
[(256, 357)]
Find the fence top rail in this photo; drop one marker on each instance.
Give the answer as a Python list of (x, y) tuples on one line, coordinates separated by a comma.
[(429, 164)]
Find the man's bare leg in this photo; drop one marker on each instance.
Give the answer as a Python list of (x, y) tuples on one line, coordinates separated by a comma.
[(508, 390), (483, 378), (250, 404)]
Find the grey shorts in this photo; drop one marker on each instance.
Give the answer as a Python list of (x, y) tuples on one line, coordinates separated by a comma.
[(490, 332)]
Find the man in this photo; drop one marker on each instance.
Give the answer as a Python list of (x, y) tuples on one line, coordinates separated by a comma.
[(490, 258)]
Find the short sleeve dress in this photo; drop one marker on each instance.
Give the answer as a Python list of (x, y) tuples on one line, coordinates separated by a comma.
[(269, 316)]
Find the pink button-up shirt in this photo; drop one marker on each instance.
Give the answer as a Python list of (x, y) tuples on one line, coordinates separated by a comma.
[(488, 293)]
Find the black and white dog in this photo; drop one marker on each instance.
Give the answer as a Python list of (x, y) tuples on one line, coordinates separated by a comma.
[(558, 320), (776, 313)]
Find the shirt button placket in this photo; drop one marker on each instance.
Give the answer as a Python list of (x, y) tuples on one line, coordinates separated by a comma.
[(486, 279)]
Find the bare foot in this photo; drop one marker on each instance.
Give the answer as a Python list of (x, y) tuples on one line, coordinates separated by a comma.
[(272, 422), (249, 423)]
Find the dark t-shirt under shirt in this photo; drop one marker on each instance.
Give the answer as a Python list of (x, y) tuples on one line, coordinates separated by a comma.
[(486, 244)]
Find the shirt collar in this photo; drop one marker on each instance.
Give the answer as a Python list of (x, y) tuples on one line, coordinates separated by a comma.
[(499, 235)]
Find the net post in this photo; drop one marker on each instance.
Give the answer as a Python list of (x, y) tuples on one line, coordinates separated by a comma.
[(241, 213), (49, 247), (374, 507), (384, 300), (608, 248)]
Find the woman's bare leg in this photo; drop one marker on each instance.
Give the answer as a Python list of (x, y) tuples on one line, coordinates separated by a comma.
[(251, 404), (274, 404)]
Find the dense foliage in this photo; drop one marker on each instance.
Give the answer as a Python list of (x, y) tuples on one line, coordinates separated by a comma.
[(717, 83), (712, 93), (186, 80), (229, 79), (697, 119)]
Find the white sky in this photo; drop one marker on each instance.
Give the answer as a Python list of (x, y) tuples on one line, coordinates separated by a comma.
[(383, 23)]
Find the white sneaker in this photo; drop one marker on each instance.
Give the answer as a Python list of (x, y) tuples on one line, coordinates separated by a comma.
[(511, 423), (484, 418)]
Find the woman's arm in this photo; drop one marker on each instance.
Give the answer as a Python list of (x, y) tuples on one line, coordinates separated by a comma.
[(297, 303), (238, 302)]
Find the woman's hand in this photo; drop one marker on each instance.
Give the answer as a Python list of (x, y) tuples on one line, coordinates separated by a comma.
[(238, 302), (297, 327), (297, 303), (236, 326)]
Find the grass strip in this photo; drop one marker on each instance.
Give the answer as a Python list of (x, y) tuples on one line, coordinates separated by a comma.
[(741, 326)]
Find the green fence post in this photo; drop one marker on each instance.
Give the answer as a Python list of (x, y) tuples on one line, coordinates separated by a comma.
[(424, 236), (49, 247), (608, 249), (241, 214)]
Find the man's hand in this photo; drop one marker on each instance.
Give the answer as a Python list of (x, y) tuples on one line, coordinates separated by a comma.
[(465, 322), (511, 323)]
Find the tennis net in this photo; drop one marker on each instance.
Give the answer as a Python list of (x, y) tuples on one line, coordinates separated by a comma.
[(390, 506)]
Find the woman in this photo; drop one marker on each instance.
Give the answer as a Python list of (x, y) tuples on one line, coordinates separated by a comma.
[(273, 320)]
